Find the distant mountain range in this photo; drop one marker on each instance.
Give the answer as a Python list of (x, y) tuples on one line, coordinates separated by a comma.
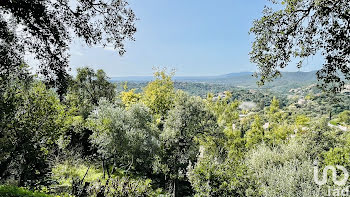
[(241, 79), (232, 78), (182, 78)]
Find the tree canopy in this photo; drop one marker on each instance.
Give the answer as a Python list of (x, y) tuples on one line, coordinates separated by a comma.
[(155, 139), (45, 28), (299, 29)]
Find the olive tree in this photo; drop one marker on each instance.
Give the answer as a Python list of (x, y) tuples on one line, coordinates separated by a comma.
[(124, 138), (186, 123)]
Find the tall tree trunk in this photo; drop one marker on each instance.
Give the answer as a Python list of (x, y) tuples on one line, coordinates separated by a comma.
[(103, 168), (176, 188)]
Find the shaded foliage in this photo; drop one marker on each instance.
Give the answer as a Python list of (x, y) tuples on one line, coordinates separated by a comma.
[(44, 28), (298, 30)]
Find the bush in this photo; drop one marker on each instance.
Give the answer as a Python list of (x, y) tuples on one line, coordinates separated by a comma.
[(334, 122), (13, 191), (65, 172), (344, 117), (125, 186), (68, 176), (285, 169)]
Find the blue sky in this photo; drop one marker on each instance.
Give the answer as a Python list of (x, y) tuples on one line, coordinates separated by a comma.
[(195, 37)]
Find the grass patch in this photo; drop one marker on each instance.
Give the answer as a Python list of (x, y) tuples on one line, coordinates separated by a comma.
[(63, 173), (334, 122), (13, 191)]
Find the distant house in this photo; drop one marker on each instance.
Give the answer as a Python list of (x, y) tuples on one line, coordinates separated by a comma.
[(266, 125), (346, 90), (297, 90), (252, 91), (221, 95), (242, 115), (301, 101), (247, 105), (233, 126)]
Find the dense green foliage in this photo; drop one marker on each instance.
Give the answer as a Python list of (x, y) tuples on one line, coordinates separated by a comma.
[(163, 141), (84, 136)]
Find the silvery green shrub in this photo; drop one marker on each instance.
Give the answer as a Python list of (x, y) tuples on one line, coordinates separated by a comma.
[(284, 170)]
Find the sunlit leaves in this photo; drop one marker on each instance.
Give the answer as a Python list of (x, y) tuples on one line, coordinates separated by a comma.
[(159, 94)]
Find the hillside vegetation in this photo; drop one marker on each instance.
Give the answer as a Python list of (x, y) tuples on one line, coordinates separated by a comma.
[(215, 84), (159, 140)]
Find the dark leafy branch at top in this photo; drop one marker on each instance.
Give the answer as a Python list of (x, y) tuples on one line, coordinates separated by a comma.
[(304, 28), (46, 28)]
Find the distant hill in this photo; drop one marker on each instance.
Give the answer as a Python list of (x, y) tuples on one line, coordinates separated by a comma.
[(243, 79), (287, 81), (236, 74)]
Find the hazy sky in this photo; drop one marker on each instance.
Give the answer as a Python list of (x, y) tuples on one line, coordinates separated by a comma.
[(195, 37)]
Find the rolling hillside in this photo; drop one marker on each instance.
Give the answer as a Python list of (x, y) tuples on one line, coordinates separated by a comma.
[(244, 80)]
